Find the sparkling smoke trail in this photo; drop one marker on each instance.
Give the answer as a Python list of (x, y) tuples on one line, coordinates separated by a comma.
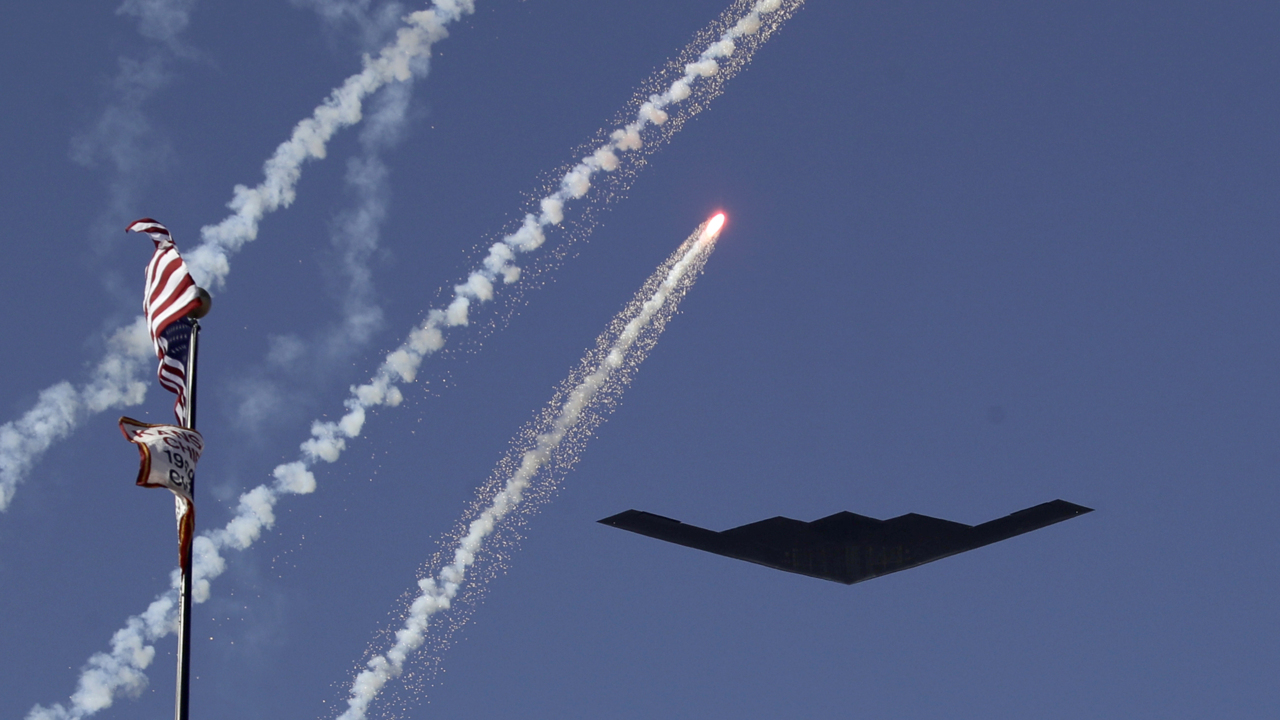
[(727, 46), (329, 439), (550, 445)]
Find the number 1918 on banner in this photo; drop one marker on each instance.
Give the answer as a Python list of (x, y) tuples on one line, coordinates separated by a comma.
[(169, 455)]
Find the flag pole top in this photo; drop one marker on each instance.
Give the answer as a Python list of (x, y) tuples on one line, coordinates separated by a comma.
[(206, 302)]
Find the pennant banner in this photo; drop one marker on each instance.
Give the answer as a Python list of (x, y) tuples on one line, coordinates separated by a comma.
[(169, 455), (185, 511)]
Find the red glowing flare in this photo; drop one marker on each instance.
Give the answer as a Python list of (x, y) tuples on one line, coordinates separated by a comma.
[(714, 225)]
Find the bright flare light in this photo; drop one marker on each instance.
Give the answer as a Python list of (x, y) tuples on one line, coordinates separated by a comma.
[(713, 227)]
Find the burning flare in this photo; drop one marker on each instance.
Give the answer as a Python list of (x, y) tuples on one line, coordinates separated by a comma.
[(712, 229)]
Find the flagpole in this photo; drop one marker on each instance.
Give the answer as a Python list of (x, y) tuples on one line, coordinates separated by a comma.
[(182, 702), (170, 296)]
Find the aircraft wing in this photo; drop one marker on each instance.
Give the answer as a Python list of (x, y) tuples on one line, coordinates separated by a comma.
[(845, 547)]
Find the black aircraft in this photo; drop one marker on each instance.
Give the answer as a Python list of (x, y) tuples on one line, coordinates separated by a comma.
[(845, 547)]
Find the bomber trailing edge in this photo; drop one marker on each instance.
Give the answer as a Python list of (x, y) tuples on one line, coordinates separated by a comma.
[(846, 547)]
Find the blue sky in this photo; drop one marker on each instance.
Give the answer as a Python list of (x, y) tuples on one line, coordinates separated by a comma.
[(979, 256)]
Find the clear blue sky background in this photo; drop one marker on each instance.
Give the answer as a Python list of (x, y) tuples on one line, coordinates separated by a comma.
[(979, 256)]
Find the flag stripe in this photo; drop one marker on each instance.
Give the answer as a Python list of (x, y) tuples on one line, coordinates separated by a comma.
[(161, 286), (147, 225), (170, 294), (186, 511)]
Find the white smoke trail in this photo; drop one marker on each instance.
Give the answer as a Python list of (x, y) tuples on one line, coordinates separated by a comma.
[(725, 49), (698, 81), (123, 137), (552, 442), (328, 439), (398, 61), (355, 233), (369, 21), (60, 409), (160, 20)]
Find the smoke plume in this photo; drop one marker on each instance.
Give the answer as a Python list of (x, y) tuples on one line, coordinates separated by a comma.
[(355, 235), (550, 445), (499, 266), (115, 383), (399, 61)]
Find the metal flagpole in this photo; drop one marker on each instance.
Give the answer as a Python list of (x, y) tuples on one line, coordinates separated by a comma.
[(184, 614)]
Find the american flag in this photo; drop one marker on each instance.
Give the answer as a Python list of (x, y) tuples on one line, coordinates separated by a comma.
[(170, 294)]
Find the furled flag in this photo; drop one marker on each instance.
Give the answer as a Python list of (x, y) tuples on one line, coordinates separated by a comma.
[(169, 297), (169, 455)]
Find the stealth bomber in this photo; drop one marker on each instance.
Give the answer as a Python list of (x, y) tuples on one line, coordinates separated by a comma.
[(846, 547)]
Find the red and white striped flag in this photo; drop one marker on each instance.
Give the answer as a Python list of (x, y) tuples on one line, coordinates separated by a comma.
[(170, 293), (169, 296)]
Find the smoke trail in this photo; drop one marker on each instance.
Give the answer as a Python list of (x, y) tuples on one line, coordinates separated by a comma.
[(59, 409), (551, 443), (659, 115), (370, 23), (354, 235), (328, 439), (400, 60), (356, 231), (117, 135), (160, 20), (700, 71)]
